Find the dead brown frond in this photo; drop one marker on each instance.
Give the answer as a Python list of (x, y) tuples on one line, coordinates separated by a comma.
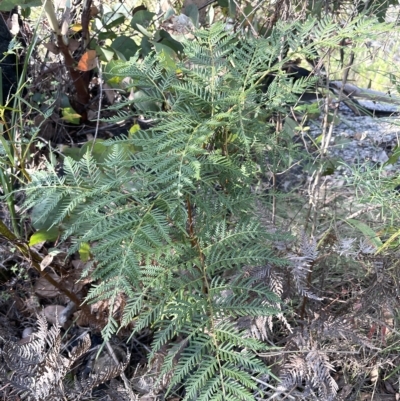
[(37, 370)]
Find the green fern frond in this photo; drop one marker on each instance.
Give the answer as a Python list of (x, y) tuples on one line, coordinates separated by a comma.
[(171, 213)]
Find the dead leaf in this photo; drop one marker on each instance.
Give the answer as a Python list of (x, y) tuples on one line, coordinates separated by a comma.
[(66, 20), (388, 315), (88, 61), (376, 397), (53, 312), (81, 267), (44, 289), (389, 387), (110, 93), (73, 45), (374, 374), (13, 24), (179, 25), (345, 391), (105, 360), (51, 47), (46, 261), (94, 11), (47, 127), (92, 114), (75, 28)]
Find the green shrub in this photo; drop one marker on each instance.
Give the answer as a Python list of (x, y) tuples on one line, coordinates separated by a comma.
[(172, 213)]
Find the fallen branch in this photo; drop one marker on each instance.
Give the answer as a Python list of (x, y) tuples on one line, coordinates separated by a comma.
[(350, 90)]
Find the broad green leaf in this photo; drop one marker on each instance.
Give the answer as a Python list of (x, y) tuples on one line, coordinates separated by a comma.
[(367, 231), (98, 150), (329, 168), (106, 36), (193, 13), (110, 71), (167, 56), (169, 13), (394, 156), (143, 30), (142, 18), (166, 39), (113, 19), (125, 46), (333, 118), (70, 115), (105, 53), (232, 8), (315, 8), (84, 251), (72, 152), (290, 126), (135, 128), (44, 235), (146, 47)]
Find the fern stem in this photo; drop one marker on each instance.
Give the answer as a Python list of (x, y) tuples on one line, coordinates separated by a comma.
[(196, 245), (190, 222), (304, 303)]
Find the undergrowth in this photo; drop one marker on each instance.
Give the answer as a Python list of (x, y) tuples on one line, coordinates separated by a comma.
[(226, 282), (178, 224)]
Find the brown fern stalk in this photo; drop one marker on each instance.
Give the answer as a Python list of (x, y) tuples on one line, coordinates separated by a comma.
[(195, 243), (304, 303)]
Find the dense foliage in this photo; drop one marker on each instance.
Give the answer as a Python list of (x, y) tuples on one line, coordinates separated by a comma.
[(174, 214)]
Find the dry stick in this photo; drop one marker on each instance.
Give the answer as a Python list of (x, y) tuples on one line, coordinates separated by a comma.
[(324, 150), (80, 83), (205, 5), (80, 80), (254, 9), (195, 245), (85, 18), (275, 15), (247, 19), (278, 129), (305, 351), (100, 100), (273, 198)]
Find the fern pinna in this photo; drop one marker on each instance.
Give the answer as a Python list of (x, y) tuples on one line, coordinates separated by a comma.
[(171, 212)]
